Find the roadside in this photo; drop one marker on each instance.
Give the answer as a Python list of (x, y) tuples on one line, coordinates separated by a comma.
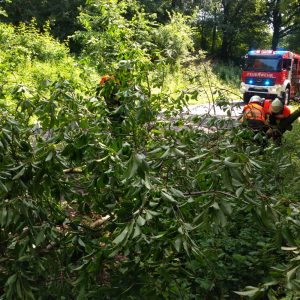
[(233, 109)]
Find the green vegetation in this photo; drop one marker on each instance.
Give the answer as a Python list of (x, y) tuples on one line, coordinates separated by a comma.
[(135, 200), (33, 61)]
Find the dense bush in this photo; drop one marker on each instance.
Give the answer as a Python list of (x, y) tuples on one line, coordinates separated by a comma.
[(140, 210), (34, 59), (109, 38), (174, 40)]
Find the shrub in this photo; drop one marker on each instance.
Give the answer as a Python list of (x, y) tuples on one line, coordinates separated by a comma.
[(33, 58), (174, 40)]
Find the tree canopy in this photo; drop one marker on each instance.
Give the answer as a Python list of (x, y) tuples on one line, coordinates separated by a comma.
[(223, 27)]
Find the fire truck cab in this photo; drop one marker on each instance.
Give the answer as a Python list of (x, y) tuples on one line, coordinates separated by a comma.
[(271, 74)]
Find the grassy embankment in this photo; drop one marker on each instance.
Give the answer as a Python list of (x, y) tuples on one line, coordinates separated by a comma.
[(31, 61)]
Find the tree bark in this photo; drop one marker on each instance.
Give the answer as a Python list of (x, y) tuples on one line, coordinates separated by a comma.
[(277, 23), (225, 35), (214, 33)]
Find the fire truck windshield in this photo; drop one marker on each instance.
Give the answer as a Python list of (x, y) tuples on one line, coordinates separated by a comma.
[(267, 64)]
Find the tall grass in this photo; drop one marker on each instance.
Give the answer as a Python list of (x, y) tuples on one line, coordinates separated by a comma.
[(230, 74), (209, 81)]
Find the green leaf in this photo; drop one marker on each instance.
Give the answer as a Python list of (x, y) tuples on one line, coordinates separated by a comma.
[(148, 215), (226, 208), (291, 274), (168, 197), (3, 186), (255, 163), (227, 179), (178, 244), (137, 231), (119, 239), (24, 258), (81, 243), (132, 166), (40, 238), (21, 173), (228, 163), (154, 151), (178, 152), (49, 156), (250, 292), (289, 248), (141, 221), (180, 230), (81, 266), (167, 153), (215, 205), (11, 279), (198, 157), (3, 216), (222, 218), (239, 191), (147, 182), (19, 289), (153, 213), (186, 247), (176, 193)]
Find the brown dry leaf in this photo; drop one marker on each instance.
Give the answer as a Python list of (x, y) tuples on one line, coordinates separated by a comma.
[(100, 221)]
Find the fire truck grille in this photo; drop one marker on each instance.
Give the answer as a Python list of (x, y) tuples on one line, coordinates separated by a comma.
[(260, 81), (258, 90)]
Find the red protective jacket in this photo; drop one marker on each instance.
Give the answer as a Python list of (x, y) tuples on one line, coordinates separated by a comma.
[(284, 114)]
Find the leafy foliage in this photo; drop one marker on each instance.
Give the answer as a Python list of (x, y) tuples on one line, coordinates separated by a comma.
[(61, 14), (109, 38), (132, 198), (175, 39), (33, 59), (138, 210)]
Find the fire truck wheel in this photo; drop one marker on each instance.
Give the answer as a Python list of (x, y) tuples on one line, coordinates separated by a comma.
[(286, 96)]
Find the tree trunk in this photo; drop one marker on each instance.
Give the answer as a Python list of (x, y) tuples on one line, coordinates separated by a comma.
[(225, 34), (203, 42), (225, 46), (276, 22), (214, 33)]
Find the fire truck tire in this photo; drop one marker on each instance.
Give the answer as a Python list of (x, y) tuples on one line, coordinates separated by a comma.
[(286, 96), (246, 97)]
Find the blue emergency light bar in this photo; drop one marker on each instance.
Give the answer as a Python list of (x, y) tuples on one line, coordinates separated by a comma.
[(267, 52)]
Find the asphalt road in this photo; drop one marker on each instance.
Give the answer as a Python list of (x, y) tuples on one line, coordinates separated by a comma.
[(233, 109)]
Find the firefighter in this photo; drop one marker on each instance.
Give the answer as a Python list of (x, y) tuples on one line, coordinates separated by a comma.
[(276, 111), (254, 114), (279, 118), (108, 89)]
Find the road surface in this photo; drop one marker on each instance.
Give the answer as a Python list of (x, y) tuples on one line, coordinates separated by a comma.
[(233, 109)]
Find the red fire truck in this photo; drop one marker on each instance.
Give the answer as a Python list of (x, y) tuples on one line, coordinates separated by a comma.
[(271, 74)]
